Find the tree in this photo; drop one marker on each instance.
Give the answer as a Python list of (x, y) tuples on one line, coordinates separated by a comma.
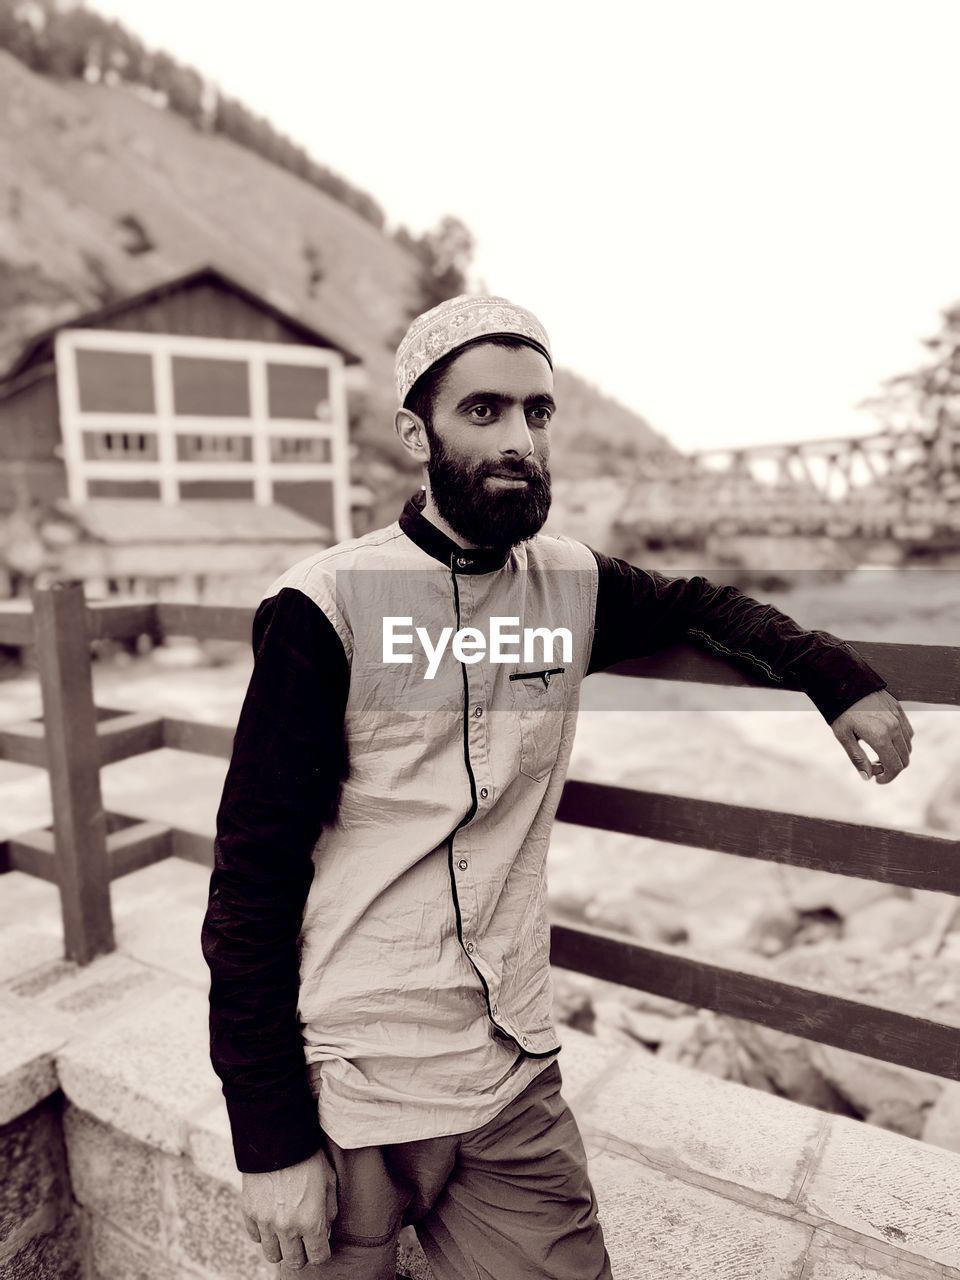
[(444, 256), (927, 399)]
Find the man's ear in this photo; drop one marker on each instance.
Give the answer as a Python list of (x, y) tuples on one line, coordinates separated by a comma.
[(413, 434)]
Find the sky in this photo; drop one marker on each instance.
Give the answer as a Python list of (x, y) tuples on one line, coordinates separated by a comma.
[(737, 218)]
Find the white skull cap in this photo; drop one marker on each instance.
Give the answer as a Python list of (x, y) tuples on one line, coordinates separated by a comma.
[(445, 327)]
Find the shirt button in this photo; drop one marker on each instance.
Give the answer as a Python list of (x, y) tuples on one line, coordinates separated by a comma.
[(496, 1008), (484, 793), (478, 711), (524, 1040), (470, 947), (462, 864), (462, 562)]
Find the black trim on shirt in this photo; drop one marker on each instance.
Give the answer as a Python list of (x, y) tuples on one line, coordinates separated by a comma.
[(289, 760)]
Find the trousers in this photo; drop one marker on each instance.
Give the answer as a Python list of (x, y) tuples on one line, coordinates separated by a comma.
[(510, 1200)]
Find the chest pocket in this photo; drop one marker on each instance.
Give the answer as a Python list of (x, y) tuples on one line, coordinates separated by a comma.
[(539, 698)]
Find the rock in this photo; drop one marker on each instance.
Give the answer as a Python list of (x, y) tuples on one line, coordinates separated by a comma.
[(572, 1001), (648, 1028), (942, 1124), (815, 891), (943, 807), (885, 1094), (785, 1062), (899, 1115), (772, 930), (645, 919), (892, 922)]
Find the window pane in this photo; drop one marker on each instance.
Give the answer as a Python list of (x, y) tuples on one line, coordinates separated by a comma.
[(210, 388), (298, 391), (299, 449), (123, 488), (216, 488), (115, 381), (120, 443), (216, 448)]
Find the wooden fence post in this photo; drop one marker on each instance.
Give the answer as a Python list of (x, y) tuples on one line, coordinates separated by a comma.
[(70, 730)]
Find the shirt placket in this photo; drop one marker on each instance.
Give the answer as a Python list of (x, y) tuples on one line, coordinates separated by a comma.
[(476, 712)]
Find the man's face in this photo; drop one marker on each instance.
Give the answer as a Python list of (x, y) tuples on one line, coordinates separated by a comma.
[(489, 444)]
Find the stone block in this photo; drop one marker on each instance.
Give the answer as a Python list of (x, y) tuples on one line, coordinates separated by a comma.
[(115, 1177), (208, 1228), (655, 1225), (72, 997), (942, 1123), (210, 1146), (831, 1257), (890, 1188), (688, 1119), (27, 944), (58, 1255), (148, 1071), (115, 1256), (158, 912), (583, 1058), (27, 1072), (32, 1170)]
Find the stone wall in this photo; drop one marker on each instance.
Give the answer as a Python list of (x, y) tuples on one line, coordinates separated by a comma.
[(116, 1162), (41, 1233)]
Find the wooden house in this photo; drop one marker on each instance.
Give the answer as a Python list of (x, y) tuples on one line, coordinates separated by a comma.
[(174, 442)]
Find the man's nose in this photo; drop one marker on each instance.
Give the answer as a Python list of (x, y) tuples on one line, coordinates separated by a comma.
[(517, 438)]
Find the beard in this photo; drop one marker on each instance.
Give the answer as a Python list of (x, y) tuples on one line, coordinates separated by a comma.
[(483, 515)]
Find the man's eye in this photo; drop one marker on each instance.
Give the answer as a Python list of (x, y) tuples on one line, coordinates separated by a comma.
[(542, 413), (482, 412)]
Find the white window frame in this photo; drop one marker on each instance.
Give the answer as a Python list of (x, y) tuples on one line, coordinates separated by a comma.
[(167, 470)]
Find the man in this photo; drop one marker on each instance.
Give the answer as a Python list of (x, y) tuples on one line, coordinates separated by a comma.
[(376, 931)]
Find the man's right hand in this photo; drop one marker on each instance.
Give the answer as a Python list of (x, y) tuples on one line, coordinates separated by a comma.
[(290, 1212)]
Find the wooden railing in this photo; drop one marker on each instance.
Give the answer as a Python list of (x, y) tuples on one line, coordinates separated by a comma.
[(87, 848)]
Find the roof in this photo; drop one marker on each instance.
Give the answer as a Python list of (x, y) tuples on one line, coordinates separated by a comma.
[(139, 520), (40, 345)]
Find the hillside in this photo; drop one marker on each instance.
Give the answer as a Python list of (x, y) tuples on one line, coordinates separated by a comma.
[(102, 193)]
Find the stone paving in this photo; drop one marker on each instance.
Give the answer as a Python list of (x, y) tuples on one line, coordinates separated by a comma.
[(695, 1176)]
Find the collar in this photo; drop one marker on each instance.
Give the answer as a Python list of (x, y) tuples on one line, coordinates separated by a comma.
[(436, 543)]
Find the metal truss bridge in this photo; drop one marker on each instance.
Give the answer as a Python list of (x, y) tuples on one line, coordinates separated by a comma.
[(903, 485)]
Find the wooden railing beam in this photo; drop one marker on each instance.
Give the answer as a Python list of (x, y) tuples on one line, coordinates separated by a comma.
[(24, 744), (858, 1025), (69, 717), (202, 739), (818, 844)]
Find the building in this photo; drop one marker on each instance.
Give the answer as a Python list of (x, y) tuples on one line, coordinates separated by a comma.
[(188, 441)]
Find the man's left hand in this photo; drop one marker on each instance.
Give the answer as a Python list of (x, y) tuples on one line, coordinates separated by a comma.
[(880, 722)]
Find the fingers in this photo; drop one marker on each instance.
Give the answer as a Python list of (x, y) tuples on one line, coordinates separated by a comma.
[(271, 1246), (894, 757), (294, 1255), (852, 747), (317, 1247), (253, 1231), (905, 723)]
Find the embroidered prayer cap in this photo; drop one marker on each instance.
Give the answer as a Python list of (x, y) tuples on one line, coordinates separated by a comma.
[(443, 328)]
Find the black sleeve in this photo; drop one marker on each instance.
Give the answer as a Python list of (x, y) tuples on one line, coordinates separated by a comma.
[(282, 786), (639, 611)]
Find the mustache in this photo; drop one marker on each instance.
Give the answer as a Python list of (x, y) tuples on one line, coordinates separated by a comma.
[(521, 472)]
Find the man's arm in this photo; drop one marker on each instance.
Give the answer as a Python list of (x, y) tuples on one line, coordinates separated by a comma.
[(281, 788), (639, 611)]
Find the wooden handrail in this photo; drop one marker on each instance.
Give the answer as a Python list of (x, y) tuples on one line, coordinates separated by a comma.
[(88, 848)]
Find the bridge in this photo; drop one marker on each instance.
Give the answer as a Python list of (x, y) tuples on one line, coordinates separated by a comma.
[(902, 485)]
